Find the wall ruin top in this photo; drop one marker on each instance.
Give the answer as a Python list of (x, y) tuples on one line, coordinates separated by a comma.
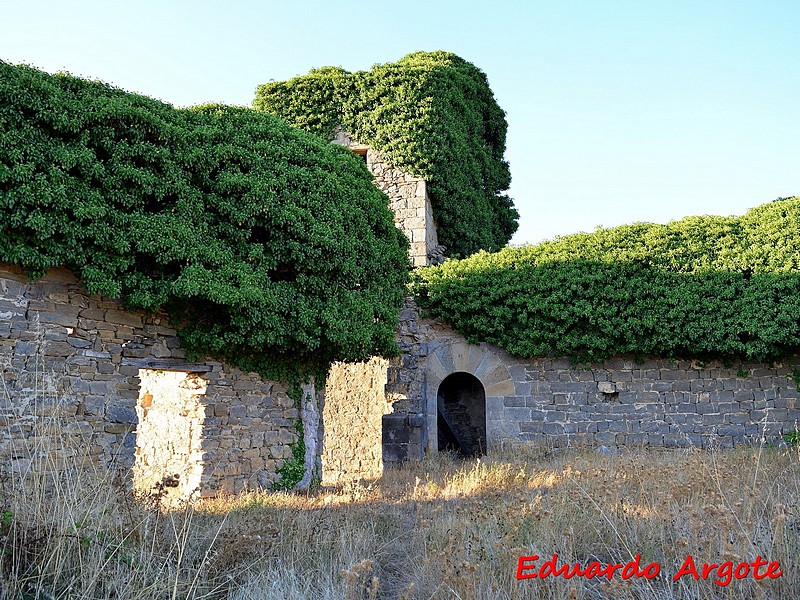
[(408, 200)]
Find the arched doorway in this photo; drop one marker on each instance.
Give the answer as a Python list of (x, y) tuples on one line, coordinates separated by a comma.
[(461, 416)]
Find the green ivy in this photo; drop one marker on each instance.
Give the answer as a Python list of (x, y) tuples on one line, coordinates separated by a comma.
[(293, 469), (432, 114), (269, 248), (716, 287)]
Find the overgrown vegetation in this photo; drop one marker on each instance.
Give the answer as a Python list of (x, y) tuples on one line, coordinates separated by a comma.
[(293, 469), (270, 248), (433, 530), (431, 114), (705, 287)]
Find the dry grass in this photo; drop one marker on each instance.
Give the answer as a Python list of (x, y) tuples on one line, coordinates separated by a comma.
[(438, 529)]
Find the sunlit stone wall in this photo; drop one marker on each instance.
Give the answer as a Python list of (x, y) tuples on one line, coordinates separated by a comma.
[(408, 200), (70, 389), (355, 402)]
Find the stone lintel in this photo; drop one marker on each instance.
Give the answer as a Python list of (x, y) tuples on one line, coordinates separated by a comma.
[(166, 365)]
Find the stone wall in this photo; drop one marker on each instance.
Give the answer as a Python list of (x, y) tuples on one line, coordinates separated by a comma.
[(406, 427), (408, 199), (355, 402), (657, 402), (74, 360), (80, 378)]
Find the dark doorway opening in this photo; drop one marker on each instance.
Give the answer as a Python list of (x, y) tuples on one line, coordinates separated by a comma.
[(461, 418)]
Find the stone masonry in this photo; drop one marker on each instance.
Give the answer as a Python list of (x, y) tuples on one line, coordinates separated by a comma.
[(657, 402), (83, 379), (360, 430), (78, 375), (355, 402), (169, 433), (78, 362), (408, 199)]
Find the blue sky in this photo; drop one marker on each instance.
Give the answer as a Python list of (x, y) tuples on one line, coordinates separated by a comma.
[(618, 111)]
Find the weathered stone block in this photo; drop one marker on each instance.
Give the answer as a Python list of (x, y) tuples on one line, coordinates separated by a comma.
[(537, 415), (660, 386), (676, 441), (517, 414), (58, 318), (121, 414), (605, 437), (121, 317), (99, 387), (22, 348), (116, 428), (731, 430), (513, 401), (554, 428), (531, 427)]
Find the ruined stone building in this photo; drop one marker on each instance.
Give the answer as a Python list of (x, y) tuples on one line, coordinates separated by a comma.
[(120, 388)]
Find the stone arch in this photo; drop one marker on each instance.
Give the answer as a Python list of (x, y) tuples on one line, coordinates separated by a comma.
[(483, 362), (462, 415)]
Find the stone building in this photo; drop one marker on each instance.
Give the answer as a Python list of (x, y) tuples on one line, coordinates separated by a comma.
[(78, 371), (116, 384), (477, 398), (446, 394), (408, 199)]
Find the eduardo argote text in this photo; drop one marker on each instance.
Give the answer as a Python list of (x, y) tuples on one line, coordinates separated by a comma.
[(722, 574)]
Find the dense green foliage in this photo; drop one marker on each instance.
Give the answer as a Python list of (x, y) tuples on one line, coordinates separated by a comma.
[(726, 287), (431, 114), (268, 247)]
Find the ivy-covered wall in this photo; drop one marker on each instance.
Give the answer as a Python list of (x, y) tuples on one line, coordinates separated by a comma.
[(619, 402), (431, 114), (268, 247), (701, 287)]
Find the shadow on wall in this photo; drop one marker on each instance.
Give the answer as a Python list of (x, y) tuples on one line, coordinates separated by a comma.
[(465, 386)]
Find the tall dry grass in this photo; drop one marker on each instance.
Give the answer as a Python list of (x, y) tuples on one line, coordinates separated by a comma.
[(443, 528)]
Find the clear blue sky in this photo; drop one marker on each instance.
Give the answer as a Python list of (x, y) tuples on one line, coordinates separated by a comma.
[(617, 111)]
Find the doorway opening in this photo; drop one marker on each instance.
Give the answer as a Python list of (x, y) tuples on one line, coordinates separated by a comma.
[(361, 152), (461, 418)]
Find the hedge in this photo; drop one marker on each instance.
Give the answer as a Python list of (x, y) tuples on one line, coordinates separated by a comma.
[(704, 287)]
